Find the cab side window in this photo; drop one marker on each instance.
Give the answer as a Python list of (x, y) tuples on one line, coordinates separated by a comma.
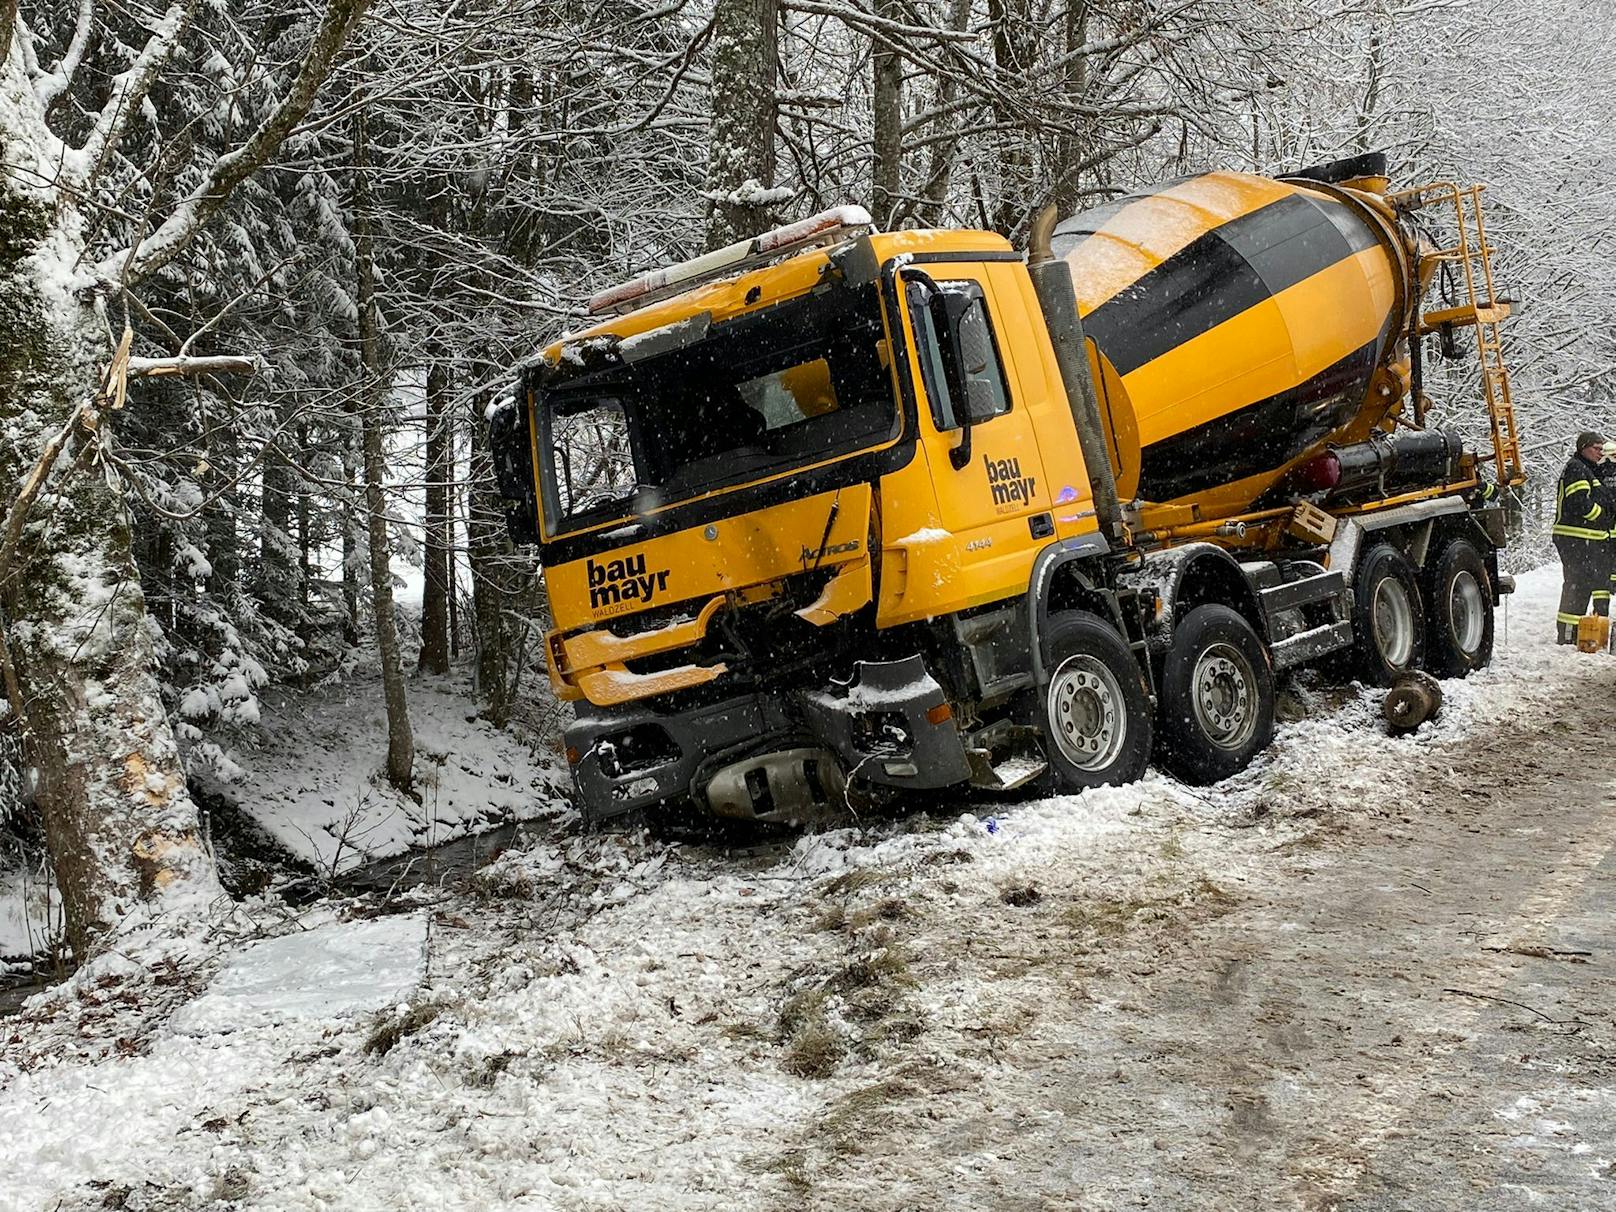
[(968, 343)]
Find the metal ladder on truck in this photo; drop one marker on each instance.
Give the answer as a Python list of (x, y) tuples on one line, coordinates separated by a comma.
[(1480, 308)]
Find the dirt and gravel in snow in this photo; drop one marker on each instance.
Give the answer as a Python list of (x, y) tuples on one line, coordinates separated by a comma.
[(1370, 973)]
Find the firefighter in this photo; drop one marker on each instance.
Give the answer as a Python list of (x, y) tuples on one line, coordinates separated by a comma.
[(1583, 518)]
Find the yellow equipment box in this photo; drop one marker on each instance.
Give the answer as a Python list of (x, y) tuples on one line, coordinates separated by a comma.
[(1593, 633)]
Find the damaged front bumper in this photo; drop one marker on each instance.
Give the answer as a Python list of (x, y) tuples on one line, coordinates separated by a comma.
[(784, 756)]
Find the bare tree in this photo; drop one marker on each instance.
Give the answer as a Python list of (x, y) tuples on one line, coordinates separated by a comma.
[(887, 125), (740, 165), (372, 398), (436, 600)]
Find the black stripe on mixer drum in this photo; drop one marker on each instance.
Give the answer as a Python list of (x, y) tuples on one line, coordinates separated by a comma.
[(1354, 230), (1298, 242), (1225, 272), (1260, 436)]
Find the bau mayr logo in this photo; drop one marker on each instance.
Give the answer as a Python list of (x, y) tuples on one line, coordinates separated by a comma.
[(618, 581), (1009, 486)]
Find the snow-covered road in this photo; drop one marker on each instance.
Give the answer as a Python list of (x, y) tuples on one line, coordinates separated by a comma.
[(1343, 979)]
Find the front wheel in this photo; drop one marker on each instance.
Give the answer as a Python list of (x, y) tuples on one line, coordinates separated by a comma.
[(1217, 697), (1094, 713), (1460, 605)]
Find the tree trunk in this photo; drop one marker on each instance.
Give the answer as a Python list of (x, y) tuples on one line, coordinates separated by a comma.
[(1371, 101), (940, 164), (450, 512), (485, 544), (740, 162), (887, 93), (1013, 29), (224, 464), (305, 537), (279, 573), (435, 596), (400, 739), (1073, 144), (350, 543), (122, 831)]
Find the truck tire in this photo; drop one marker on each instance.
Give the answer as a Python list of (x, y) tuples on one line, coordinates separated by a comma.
[(1095, 712), (1388, 616), (1217, 697), (1459, 612)]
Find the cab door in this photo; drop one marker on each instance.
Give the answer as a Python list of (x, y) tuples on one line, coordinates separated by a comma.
[(977, 431)]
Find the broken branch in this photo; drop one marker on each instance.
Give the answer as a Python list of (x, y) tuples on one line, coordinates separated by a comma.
[(188, 364)]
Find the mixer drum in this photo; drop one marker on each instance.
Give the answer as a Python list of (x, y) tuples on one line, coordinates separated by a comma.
[(1244, 317)]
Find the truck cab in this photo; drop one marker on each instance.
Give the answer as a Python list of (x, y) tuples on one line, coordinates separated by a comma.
[(758, 501)]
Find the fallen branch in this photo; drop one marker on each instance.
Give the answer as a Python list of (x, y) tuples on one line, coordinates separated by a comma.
[(87, 417), (189, 364)]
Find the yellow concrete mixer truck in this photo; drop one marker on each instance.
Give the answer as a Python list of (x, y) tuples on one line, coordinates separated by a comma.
[(836, 510)]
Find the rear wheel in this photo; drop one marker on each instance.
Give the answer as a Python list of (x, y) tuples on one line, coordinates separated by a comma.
[(1094, 713), (1388, 616), (1217, 697), (1459, 611)]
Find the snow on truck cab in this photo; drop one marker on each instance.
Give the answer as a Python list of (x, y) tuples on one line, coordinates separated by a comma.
[(835, 508)]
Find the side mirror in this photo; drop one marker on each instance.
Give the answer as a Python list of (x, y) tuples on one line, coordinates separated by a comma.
[(965, 386), (980, 396), (512, 452), (958, 307), (945, 310)]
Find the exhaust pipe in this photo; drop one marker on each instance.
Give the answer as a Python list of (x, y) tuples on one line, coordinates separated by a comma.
[(1057, 299)]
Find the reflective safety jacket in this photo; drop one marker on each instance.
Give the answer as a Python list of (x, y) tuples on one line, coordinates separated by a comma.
[(1582, 507), (1607, 476)]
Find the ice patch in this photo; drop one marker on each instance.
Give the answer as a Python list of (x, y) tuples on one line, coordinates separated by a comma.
[(338, 969)]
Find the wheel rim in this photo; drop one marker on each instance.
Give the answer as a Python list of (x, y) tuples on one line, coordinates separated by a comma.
[(1087, 716), (1467, 612), (1392, 616), (1224, 696)]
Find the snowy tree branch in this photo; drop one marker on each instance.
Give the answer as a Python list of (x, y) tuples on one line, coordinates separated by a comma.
[(858, 17), (50, 87), (129, 90), (229, 170), (437, 67), (192, 364)]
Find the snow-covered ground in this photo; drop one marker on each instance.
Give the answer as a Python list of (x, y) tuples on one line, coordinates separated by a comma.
[(311, 782), (314, 782), (614, 1022), (30, 912)]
